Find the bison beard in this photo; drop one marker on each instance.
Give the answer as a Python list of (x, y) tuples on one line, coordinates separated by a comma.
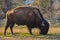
[(29, 16)]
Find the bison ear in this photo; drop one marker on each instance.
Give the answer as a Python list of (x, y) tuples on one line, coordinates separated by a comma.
[(43, 23)]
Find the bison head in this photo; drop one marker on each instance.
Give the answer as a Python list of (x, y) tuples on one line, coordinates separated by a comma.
[(44, 28)]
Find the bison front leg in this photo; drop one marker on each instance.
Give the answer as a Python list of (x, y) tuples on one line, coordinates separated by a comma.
[(11, 28), (30, 29)]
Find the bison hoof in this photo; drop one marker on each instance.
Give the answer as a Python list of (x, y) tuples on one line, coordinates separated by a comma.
[(43, 33), (4, 34), (31, 33), (13, 35)]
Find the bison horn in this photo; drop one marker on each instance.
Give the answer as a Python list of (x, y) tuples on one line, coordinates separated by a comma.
[(43, 23)]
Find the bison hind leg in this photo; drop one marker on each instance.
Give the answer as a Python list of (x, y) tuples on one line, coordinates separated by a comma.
[(7, 25), (11, 28)]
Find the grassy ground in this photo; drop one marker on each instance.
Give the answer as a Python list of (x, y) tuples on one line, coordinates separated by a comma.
[(22, 33)]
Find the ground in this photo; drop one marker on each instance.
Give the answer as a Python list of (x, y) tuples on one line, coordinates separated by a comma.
[(22, 33)]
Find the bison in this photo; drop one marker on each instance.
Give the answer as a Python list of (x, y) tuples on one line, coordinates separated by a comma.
[(30, 16)]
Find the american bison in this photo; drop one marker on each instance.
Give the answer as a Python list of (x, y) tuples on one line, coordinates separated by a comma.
[(30, 16)]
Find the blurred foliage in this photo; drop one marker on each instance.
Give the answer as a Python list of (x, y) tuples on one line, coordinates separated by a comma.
[(17, 3), (43, 3), (37, 2)]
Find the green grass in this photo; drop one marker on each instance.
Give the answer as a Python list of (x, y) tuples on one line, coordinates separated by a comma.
[(22, 31), (31, 36)]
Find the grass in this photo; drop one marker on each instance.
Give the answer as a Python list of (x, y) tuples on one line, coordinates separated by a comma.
[(22, 31)]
